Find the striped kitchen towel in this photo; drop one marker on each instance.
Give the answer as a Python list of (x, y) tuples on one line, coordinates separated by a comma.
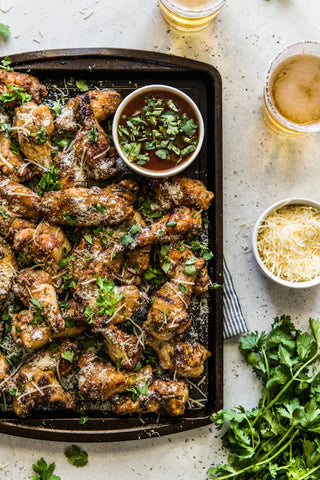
[(233, 319)]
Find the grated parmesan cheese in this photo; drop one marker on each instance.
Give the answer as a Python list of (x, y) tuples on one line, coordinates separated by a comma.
[(289, 243)]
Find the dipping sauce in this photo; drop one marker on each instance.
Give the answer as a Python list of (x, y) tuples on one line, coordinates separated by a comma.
[(158, 130)]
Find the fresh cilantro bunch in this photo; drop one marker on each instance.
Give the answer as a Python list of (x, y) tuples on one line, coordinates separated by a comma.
[(280, 439)]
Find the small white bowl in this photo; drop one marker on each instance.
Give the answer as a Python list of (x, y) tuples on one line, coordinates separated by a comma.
[(263, 268), (143, 171)]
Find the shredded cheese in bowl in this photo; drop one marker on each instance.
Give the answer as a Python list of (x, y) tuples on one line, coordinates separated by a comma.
[(286, 243)]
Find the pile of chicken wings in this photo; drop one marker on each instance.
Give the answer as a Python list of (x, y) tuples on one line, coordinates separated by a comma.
[(74, 259)]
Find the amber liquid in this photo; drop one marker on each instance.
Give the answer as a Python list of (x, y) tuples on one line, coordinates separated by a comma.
[(295, 90), (196, 16)]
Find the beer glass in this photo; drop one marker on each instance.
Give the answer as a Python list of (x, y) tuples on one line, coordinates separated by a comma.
[(190, 15), (291, 99)]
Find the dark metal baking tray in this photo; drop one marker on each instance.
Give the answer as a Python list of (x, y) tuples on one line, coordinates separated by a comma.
[(125, 70)]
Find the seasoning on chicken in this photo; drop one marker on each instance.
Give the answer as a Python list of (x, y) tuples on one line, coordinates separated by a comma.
[(99, 380), (90, 206), (179, 191), (91, 143), (4, 369), (172, 227), (103, 103), (185, 358), (70, 171), (12, 164), (168, 316), (32, 335), (19, 199), (125, 350), (36, 291), (8, 268), (35, 386), (44, 244), (30, 84), (166, 396), (33, 127)]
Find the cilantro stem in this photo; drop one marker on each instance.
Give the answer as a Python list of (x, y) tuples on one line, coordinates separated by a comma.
[(281, 441), (307, 475), (287, 385)]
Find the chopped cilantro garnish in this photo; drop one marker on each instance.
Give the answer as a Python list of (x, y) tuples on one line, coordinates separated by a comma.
[(40, 136), (50, 181), (69, 219), (68, 355), (93, 134), (14, 94), (82, 85)]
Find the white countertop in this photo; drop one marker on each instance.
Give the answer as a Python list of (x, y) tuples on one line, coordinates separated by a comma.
[(260, 168)]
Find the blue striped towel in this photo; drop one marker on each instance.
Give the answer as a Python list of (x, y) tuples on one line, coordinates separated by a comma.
[(233, 319)]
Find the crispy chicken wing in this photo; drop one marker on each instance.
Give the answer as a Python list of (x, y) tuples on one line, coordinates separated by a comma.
[(35, 289), (26, 331), (35, 386), (8, 268), (91, 143), (181, 223), (44, 244), (18, 199), (4, 369), (99, 380), (162, 396), (103, 103), (11, 164), (168, 316), (91, 206), (183, 357), (22, 80), (178, 191), (123, 349), (33, 128), (70, 171)]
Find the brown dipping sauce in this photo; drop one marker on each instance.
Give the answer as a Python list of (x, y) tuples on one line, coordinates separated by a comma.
[(135, 107)]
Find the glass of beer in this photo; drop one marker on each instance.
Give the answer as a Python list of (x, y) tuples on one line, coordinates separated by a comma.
[(190, 15), (292, 89)]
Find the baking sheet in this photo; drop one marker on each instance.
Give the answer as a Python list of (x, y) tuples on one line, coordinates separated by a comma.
[(125, 70)]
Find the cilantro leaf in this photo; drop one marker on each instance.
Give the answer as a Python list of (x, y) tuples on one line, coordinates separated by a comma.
[(49, 181), (4, 31), (77, 456), (82, 85), (44, 471)]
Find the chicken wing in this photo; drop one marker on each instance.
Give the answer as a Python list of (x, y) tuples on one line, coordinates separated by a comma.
[(168, 316), (103, 103), (35, 386), (4, 369), (124, 350), (11, 164), (183, 357), (33, 127), (181, 223), (8, 268), (162, 396), (27, 331), (44, 244), (178, 191), (91, 143), (70, 171), (99, 380), (30, 84), (35, 289), (18, 199), (90, 206)]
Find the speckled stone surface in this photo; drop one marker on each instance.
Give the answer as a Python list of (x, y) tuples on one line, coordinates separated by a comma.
[(260, 168)]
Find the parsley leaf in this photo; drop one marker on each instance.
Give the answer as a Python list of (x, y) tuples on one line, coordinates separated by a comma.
[(44, 471), (4, 31), (93, 134), (82, 85), (50, 181), (77, 456), (280, 437)]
